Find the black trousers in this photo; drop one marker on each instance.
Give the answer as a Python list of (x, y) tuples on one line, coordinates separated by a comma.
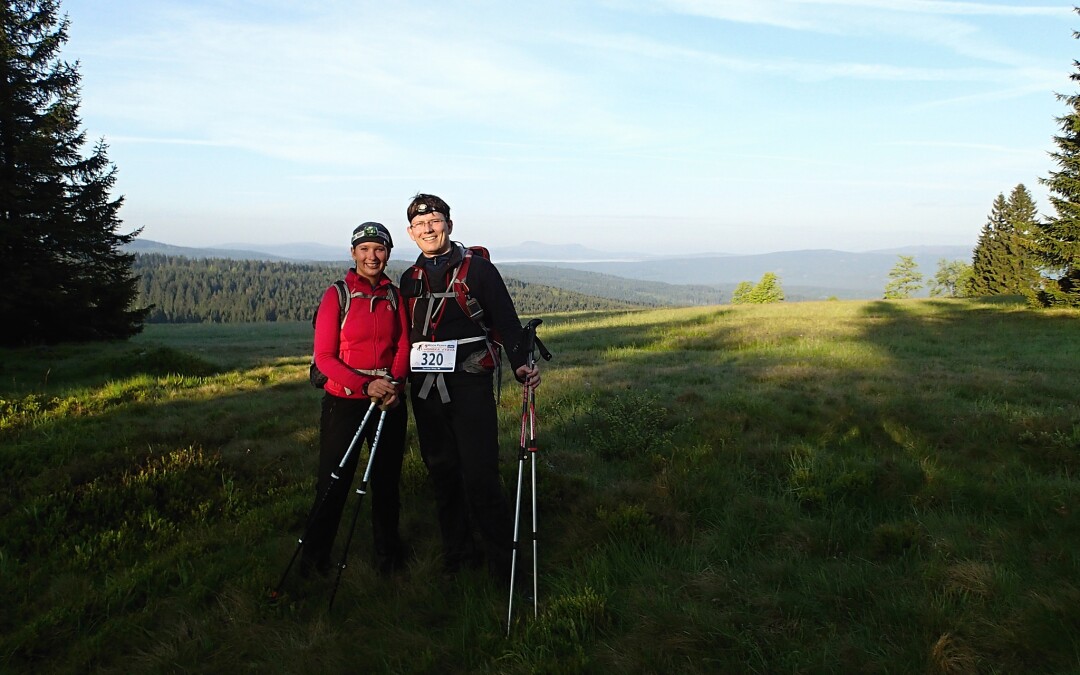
[(338, 424), (459, 443)]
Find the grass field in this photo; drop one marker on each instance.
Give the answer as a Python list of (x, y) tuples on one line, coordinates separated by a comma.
[(833, 487)]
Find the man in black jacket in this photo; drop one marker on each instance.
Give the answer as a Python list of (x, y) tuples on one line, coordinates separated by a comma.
[(460, 314)]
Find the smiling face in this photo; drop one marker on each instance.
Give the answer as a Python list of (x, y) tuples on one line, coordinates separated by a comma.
[(431, 232), (370, 258)]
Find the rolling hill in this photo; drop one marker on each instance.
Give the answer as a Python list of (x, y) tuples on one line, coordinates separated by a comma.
[(674, 280)]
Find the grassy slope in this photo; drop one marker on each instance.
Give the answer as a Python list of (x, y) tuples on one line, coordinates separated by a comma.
[(813, 487)]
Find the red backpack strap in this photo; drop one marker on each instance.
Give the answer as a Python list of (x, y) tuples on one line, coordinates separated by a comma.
[(461, 289)]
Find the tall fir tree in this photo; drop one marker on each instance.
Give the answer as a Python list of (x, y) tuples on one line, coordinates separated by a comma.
[(1022, 266), (1056, 241), (63, 275), (986, 278), (1003, 262)]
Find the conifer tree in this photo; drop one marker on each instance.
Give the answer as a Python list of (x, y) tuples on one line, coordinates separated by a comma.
[(1022, 218), (767, 290), (741, 294), (904, 279), (1003, 262), (989, 263), (980, 260), (62, 274), (1056, 241)]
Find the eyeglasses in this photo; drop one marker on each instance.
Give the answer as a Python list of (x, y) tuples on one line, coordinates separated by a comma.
[(424, 224)]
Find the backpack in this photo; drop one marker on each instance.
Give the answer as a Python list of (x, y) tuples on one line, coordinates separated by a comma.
[(316, 376)]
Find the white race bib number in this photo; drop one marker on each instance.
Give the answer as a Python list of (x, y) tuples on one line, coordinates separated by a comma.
[(433, 357)]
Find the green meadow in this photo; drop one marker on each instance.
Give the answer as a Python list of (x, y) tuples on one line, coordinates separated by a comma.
[(829, 487)]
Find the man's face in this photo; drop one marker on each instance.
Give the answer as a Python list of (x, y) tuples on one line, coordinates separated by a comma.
[(431, 232)]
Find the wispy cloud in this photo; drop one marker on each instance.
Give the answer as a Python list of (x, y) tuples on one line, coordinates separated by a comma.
[(929, 21), (945, 8), (793, 13), (806, 69), (339, 90)]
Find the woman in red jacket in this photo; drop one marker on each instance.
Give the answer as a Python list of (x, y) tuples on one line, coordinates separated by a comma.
[(365, 356)]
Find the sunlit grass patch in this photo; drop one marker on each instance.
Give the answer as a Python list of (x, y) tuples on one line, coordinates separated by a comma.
[(630, 425)]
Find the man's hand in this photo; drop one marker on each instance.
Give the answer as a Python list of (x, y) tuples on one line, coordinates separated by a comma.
[(528, 376)]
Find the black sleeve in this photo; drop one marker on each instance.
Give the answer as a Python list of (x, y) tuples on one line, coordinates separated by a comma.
[(499, 312)]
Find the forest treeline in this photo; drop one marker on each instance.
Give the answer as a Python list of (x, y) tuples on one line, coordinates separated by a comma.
[(218, 290)]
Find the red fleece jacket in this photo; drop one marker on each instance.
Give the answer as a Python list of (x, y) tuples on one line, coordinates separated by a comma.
[(374, 336)]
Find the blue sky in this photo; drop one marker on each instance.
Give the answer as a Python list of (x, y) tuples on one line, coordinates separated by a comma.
[(741, 126)]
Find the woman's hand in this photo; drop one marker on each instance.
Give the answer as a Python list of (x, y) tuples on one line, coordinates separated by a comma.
[(383, 390)]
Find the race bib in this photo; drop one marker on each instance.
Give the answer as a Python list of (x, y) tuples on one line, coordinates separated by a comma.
[(433, 357)]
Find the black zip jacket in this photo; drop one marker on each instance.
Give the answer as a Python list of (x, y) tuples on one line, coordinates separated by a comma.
[(486, 286)]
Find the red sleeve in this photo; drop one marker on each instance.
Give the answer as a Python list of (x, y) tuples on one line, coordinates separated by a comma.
[(328, 344), (400, 369)]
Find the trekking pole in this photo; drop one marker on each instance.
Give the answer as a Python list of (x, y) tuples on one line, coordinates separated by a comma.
[(528, 447), (334, 478), (361, 491)]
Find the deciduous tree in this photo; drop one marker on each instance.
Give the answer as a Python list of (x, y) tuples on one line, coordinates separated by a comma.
[(952, 279)]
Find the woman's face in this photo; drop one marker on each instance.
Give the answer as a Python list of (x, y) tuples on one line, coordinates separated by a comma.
[(370, 258)]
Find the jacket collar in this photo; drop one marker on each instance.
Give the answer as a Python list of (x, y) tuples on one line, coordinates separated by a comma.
[(445, 261), (357, 282)]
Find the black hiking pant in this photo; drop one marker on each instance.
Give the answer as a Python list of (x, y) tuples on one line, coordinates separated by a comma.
[(338, 424), (460, 446)]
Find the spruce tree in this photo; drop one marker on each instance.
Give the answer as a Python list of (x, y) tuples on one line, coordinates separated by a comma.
[(63, 276), (1056, 240), (1022, 267), (767, 290), (741, 294), (980, 261), (990, 264)]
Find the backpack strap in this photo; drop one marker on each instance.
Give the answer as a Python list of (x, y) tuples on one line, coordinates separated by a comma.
[(344, 300), (390, 297), (474, 311)]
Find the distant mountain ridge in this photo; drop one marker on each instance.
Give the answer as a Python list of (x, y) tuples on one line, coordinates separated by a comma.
[(683, 279), (232, 253), (529, 251), (824, 268)]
